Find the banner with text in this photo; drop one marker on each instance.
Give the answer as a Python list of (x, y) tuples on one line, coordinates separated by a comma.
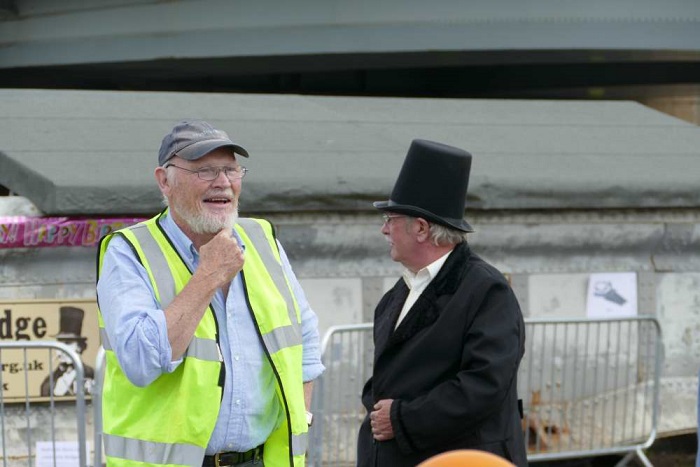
[(40, 373), (41, 232)]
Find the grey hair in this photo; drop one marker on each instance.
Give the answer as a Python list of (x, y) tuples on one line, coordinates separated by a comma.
[(442, 235), (169, 170)]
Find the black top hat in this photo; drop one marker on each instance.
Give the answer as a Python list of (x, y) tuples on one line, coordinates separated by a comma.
[(71, 324), (432, 184)]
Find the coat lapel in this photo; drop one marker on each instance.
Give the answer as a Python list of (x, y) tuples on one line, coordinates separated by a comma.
[(387, 313), (426, 310)]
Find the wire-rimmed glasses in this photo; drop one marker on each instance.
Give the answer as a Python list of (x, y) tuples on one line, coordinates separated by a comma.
[(210, 174), (387, 218)]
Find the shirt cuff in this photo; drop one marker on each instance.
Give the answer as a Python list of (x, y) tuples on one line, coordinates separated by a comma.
[(311, 372)]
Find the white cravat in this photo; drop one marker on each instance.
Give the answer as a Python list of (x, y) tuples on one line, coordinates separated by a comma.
[(418, 282)]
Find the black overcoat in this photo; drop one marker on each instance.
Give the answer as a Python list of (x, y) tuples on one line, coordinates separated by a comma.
[(451, 367)]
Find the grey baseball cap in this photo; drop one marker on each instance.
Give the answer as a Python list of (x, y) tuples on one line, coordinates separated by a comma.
[(193, 139)]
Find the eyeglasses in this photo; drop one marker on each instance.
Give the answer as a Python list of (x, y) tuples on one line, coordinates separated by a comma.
[(210, 174), (387, 218)]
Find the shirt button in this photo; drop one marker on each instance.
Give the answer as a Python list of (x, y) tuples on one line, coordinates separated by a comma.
[(238, 402), (236, 358)]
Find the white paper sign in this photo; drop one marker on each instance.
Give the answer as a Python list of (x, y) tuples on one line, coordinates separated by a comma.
[(65, 454), (612, 295)]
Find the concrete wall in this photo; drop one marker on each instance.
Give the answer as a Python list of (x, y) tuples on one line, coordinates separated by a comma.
[(343, 264)]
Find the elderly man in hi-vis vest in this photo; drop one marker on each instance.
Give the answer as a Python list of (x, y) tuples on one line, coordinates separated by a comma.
[(211, 344)]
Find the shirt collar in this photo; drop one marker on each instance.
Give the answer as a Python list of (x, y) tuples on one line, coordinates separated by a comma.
[(426, 274)]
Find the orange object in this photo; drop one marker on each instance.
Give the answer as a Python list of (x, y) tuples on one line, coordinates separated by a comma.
[(465, 457)]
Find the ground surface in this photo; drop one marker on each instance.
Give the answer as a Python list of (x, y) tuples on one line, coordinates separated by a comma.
[(672, 452)]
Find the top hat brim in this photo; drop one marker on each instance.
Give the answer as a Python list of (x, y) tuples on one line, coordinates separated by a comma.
[(414, 211), (66, 336)]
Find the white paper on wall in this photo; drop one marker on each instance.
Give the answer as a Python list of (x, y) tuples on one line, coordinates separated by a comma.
[(58, 454), (612, 295)]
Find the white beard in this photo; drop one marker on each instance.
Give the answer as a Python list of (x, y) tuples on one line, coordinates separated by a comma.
[(202, 223)]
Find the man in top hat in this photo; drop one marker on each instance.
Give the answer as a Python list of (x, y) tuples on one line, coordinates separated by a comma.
[(449, 336), (62, 380)]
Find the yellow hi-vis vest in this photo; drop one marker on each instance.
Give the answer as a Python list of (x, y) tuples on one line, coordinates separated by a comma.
[(170, 421)]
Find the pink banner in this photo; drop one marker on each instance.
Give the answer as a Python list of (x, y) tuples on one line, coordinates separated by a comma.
[(42, 232)]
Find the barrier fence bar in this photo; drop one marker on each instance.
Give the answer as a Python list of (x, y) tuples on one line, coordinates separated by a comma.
[(100, 363), (589, 387), (348, 356), (28, 419), (600, 391)]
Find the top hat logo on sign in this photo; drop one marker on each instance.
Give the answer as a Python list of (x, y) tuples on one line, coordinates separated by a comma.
[(71, 324)]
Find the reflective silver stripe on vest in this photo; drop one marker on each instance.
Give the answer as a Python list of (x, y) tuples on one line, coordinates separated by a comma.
[(159, 264), (281, 338), (137, 450), (291, 336), (300, 443), (202, 349), (105, 339)]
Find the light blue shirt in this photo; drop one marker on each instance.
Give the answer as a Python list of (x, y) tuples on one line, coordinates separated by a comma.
[(136, 328)]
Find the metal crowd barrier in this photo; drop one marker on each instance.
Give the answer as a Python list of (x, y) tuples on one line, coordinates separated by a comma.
[(348, 354), (590, 388), (29, 419), (100, 362)]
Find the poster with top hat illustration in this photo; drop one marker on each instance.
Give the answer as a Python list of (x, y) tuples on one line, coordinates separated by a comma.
[(48, 372)]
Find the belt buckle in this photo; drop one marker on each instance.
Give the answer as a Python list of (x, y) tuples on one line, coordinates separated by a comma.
[(257, 455), (217, 460), (237, 459)]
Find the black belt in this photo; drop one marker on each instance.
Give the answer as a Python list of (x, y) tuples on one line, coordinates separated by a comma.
[(233, 458)]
